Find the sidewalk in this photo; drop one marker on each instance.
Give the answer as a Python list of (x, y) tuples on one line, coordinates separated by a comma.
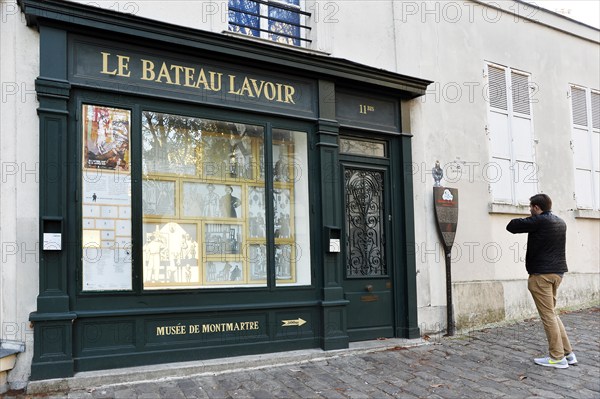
[(491, 363)]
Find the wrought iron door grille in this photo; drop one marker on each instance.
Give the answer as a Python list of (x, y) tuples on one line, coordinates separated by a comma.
[(365, 223)]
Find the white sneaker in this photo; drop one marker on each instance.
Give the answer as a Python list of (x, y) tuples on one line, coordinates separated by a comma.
[(549, 362), (571, 358)]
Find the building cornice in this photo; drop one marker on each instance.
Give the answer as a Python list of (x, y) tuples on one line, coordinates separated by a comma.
[(532, 13), (83, 18)]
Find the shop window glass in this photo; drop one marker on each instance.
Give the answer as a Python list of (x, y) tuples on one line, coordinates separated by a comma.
[(106, 199), (290, 207), (203, 203)]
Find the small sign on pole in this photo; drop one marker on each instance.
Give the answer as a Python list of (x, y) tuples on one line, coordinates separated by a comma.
[(445, 201)]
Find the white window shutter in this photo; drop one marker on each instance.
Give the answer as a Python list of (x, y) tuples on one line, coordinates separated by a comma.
[(595, 105), (520, 93), (513, 171), (497, 87), (498, 172), (585, 147), (595, 110), (579, 106), (524, 166)]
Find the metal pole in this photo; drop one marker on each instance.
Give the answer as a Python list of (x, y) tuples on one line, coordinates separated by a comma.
[(449, 311)]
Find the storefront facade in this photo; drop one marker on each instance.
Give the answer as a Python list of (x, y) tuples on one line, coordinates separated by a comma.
[(205, 196)]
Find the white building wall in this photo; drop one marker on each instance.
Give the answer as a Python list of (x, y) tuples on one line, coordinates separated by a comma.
[(19, 210), (449, 43), (210, 15), (451, 126)]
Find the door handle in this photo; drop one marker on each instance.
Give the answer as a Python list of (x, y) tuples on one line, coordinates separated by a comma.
[(369, 288)]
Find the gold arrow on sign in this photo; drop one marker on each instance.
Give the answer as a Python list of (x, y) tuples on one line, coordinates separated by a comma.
[(289, 323)]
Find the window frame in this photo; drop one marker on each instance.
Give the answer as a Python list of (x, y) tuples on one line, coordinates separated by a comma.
[(136, 106), (264, 19), (514, 155)]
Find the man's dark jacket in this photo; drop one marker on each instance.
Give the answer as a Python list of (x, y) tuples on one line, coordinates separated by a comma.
[(545, 242)]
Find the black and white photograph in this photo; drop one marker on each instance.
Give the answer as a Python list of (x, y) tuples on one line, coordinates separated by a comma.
[(158, 197), (170, 253), (223, 239), (219, 272), (210, 200), (257, 258), (256, 212), (283, 261), (283, 212)]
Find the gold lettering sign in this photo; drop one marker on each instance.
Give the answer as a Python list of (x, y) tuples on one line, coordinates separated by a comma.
[(207, 328), (369, 298), (197, 78)]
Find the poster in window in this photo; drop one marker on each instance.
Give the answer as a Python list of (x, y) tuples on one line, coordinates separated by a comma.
[(106, 133)]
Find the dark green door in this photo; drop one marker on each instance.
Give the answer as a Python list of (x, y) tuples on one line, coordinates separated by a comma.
[(367, 253)]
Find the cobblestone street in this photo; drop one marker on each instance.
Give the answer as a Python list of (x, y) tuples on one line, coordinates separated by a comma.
[(495, 362)]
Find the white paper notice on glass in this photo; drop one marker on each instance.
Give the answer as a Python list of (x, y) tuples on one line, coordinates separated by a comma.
[(52, 241), (334, 245), (107, 269)]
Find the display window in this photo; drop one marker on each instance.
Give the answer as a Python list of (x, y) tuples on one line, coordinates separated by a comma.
[(106, 199), (212, 214)]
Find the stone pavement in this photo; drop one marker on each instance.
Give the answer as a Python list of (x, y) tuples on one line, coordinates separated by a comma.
[(491, 363)]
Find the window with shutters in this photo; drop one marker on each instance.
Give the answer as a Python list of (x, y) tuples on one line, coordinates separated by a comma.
[(512, 171), (281, 21), (585, 111)]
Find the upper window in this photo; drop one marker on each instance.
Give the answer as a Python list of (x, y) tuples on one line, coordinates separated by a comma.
[(512, 172), (282, 21), (585, 107)]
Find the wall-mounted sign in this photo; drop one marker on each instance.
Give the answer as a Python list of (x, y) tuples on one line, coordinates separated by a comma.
[(52, 242), (291, 323), (446, 212), (357, 109), (185, 329), (136, 71)]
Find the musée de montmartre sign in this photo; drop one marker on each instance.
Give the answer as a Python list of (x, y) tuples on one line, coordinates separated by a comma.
[(134, 70), (182, 329), (225, 327)]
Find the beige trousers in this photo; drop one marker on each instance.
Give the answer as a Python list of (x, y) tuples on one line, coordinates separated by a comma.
[(543, 289)]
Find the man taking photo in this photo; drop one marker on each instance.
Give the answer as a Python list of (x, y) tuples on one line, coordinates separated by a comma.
[(546, 264)]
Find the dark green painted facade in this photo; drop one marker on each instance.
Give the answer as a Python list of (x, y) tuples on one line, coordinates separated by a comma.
[(76, 330)]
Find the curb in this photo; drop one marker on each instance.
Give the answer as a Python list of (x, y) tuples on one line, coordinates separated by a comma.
[(90, 380)]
